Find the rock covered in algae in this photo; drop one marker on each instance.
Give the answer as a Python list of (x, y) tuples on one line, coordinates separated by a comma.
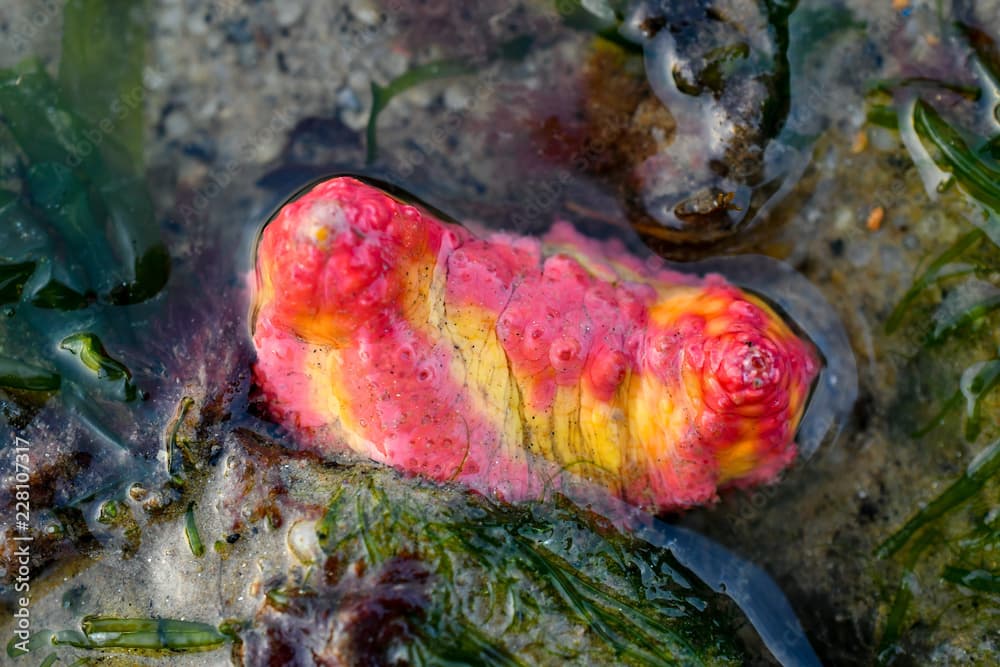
[(418, 574), (515, 365)]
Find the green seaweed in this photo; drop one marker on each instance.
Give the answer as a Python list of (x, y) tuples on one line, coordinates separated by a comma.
[(949, 320), (636, 604), (893, 630), (101, 78), (969, 92), (78, 230), (382, 95), (982, 581), (27, 259), (944, 266), (111, 375), (951, 153), (16, 374), (977, 382), (515, 49), (36, 642), (91, 186), (938, 419), (983, 467), (143, 634), (54, 295), (469, 642), (883, 115), (720, 65), (82, 408), (938, 549), (55, 189), (191, 533), (604, 21), (110, 511), (12, 280), (101, 70), (991, 147), (171, 441), (44, 128)]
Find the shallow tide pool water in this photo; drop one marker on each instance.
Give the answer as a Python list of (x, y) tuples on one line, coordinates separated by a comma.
[(173, 520)]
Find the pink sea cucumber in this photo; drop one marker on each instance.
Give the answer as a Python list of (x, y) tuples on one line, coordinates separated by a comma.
[(511, 363)]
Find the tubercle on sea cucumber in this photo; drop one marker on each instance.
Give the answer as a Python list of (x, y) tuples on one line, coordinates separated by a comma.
[(515, 364)]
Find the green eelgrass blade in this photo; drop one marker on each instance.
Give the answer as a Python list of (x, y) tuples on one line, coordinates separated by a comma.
[(982, 581), (978, 381), (887, 647), (382, 95), (16, 374), (192, 534), (941, 267), (977, 302), (514, 49), (951, 153), (152, 634), (980, 469), (101, 72)]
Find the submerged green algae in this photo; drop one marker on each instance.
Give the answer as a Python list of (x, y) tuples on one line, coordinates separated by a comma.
[(947, 549), (526, 584), (79, 239)]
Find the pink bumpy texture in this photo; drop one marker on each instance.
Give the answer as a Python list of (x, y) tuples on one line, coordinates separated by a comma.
[(516, 365)]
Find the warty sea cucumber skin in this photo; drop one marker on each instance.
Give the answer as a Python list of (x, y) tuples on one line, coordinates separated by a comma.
[(513, 364)]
